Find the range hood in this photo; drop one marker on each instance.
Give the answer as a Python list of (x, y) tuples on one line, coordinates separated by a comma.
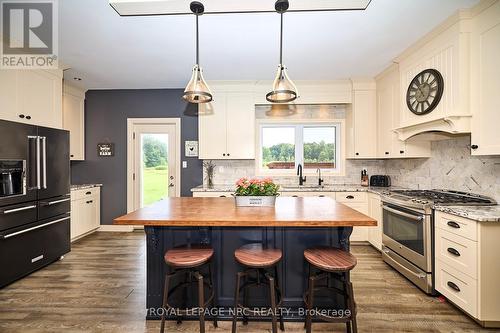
[(450, 124), (181, 7)]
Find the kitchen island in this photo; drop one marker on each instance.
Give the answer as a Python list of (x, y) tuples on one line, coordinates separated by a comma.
[(293, 225)]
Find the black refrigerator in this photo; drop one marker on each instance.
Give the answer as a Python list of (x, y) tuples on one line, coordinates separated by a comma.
[(34, 198)]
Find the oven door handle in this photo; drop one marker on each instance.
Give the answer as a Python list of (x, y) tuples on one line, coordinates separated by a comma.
[(34, 228), (410, 216)]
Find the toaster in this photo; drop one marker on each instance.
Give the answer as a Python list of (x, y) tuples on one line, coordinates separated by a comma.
[(380, 181)]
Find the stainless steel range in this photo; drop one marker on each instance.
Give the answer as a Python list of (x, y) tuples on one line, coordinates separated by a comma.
[(408, 229)]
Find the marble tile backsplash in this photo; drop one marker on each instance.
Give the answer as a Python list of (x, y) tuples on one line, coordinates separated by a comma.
[(451, 166)]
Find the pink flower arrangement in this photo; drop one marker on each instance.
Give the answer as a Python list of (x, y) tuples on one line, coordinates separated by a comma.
[(256, 187)]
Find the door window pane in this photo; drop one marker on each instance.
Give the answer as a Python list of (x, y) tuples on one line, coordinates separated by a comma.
[(154, 167), (319, 147), (278, 147)]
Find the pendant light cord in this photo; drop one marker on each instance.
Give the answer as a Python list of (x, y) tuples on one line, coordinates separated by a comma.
[(197, 42), (281, 41)]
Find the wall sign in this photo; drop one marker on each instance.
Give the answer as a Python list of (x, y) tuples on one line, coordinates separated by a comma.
[(191, 148), (105, 149)]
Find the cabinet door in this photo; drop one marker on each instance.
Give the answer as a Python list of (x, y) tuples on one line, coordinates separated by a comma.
[(485, 82), (73, 121), (8, 95), (212, 128), (240, 125), (76, 218), (359, 234), (385, 97), (40, 97), (365, 124), (375, 233)]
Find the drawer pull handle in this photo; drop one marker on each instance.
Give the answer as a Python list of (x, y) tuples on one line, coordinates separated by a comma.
[(453, 286), (57, 201), (454, 252), (454, 224), (321, 195), (222, 196), (15, 210), (90, 201), (350, 197), (295, 196), (88, 193)]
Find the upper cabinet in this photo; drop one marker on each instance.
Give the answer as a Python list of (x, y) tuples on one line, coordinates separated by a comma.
[(31, 97), (445, 49), (227, 124), (485, 81), (388, 104), (74, 120), (361, 121)]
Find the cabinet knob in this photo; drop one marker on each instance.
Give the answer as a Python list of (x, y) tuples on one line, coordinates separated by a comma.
[(387, 153), (21, 116), (228, 154), (357, 154), (224, 154), (474, 146), (401, 151), (28, 117), (72, 155)]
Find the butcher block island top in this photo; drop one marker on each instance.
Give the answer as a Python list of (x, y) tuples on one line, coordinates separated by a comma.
[(222, 212)]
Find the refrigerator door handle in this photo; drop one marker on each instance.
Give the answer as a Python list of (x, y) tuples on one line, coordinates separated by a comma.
[(38, 183), (30, 184), (44, 161)]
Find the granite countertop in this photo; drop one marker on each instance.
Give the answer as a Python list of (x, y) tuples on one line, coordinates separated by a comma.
[(84, 186), (292, 188), (477, 213)]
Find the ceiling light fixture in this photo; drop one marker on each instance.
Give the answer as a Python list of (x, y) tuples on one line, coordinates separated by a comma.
[(284, 90), (197, 90)]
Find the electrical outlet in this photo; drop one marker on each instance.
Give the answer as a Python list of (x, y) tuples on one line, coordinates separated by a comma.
[(184, 164)]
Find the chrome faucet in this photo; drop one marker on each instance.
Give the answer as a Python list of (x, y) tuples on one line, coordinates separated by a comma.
[(302, 180), (320, 180)]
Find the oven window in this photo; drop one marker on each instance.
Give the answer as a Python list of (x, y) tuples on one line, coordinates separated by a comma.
[(405, 230)]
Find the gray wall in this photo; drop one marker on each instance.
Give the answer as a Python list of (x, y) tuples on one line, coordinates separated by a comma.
[(106, 113)]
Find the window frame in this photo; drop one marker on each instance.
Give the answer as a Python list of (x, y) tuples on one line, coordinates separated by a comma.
[(299, 125)]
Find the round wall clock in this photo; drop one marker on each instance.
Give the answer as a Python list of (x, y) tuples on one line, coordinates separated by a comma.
[(425, 92)]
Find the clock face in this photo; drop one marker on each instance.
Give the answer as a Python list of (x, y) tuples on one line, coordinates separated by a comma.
[(425, 92)]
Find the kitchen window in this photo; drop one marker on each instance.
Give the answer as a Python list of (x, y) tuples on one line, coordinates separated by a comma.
[(283, 146)]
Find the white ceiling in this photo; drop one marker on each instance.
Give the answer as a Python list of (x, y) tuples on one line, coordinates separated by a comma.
[(112, 52)]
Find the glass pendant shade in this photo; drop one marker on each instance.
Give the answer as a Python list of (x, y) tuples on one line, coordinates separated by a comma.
[(197, 90), (284, 90)]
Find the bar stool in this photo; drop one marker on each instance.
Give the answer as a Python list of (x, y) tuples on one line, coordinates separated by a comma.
[(259, 260), (188, 260), (336, 264)]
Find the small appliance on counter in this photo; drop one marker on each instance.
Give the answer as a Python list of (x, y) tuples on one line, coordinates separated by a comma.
[(380, 181)]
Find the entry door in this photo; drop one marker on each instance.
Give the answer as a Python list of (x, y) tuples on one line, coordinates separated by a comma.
[(154, 163)]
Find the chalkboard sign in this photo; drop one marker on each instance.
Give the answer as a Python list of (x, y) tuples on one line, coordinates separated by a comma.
[(106, 149)]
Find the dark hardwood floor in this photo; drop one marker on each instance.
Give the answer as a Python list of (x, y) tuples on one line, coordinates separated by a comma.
[(100, 287)]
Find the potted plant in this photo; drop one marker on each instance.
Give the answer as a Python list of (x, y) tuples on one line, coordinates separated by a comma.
[(256, 192)]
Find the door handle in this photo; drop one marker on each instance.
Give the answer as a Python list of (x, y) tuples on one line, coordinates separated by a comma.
[(410, 216), (20, 209), (44, 161), (454, 252)]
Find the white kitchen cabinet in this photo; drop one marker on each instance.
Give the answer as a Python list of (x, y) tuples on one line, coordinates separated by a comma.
[(375, 212), (359, 202), (85, 212), (74, 120), (388, 102), (485, 81), (361, 121), (467, 266), (32, 97), (227, 126)]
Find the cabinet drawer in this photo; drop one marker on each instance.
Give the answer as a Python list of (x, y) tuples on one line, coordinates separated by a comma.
[(212, 194), (457, 252), (307, 194), (351, 197), (457, 287), (457, 225), (85, 193)]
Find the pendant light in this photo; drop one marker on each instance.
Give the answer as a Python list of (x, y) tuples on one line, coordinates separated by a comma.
[(284, 90), (197, 90)]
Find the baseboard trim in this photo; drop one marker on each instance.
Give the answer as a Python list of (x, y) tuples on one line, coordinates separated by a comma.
[(116, 228)]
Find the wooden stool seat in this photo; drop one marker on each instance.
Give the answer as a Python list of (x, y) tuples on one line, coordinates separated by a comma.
[(189, 256), (330, 259), (256, 256)]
